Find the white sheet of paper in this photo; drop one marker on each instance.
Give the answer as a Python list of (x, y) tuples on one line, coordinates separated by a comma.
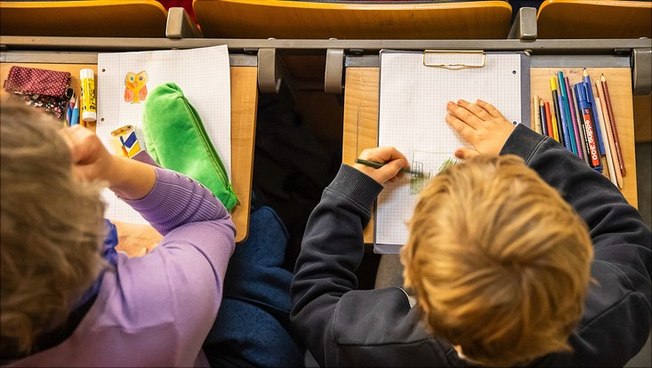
[(412, 112), (203, 74)]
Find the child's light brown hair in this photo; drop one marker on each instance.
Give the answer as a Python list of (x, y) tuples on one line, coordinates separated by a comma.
[(500, 263), (52, 228)]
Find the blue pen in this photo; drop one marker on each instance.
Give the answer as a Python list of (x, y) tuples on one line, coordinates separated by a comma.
[(69, 107), (74, 119), (591, 134), (68, 115), (565, 112), (594, 111)]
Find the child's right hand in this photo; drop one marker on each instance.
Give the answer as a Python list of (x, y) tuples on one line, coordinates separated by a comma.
[(393, 159), (479, 124), (91, 160)]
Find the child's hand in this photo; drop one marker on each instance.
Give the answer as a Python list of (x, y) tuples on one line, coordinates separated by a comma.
[(136, 240), (127, 178), (91, 160), (393, 159), (479, 124)]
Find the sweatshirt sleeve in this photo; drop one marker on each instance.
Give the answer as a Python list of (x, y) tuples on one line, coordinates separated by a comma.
[(179, 284), (175, 200), (332, 249), (617, 311), (190, 218)]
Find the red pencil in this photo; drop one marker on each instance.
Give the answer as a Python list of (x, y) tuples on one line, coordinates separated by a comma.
[(610, 111), (548, 118)]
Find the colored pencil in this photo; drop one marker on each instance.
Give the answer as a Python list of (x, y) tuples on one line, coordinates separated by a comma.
[(609, 146), (565, 113), (542, 114), (550, 121), (609, 161), (561, 117), (555, 111), (536, 112), (573, 116), (378, 165), (595, 111), (612, 123)]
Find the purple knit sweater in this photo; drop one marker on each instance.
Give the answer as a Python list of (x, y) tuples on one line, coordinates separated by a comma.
[(157, 310)]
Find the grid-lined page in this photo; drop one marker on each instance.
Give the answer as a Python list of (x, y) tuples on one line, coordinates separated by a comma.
[(412, 113), (203, 75)]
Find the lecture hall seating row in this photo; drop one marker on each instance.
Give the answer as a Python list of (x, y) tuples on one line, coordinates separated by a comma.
[(292, 23), (341, 19)]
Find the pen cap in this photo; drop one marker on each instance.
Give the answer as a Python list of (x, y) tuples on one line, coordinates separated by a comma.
[(580, 91), (88, 102), (86, 73)]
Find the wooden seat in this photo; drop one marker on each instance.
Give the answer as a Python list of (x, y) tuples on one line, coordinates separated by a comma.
[(594, 19), (92, 18), (351, 20)]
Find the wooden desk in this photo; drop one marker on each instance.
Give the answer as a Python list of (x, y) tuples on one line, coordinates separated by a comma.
[(360, 129), (244, 99)]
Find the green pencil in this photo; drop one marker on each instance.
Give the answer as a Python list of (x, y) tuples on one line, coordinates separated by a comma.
[(378, 165)]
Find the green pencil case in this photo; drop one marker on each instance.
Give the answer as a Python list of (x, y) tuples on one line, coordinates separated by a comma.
[(176, 139)]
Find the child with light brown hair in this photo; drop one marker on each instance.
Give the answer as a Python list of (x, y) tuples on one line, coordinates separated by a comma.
[(68, 297), (519, 255)]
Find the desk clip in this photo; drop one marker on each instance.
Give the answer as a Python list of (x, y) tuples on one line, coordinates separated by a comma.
[(334, 71), (269, 79), (454, 59)]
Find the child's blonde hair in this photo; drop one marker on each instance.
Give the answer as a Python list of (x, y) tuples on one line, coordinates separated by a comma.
[(500, 263), (52, 228)]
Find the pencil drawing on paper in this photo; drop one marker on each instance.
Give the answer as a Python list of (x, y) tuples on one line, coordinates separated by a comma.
[(136, 87), (419, 180), (421, 160)]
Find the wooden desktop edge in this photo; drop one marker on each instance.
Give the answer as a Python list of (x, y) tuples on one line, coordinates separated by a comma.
[(360, 127), (244, 100)]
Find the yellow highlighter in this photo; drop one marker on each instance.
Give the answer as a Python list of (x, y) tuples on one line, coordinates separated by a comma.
[(555, 114)]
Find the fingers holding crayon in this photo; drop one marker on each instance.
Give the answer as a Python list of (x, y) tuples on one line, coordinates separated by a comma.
[(389, 161)]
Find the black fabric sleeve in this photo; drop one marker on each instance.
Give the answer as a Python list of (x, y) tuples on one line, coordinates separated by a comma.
[(616, 319), (332, 249)]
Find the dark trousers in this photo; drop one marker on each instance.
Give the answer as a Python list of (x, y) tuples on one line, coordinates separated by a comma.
[(252, 326)]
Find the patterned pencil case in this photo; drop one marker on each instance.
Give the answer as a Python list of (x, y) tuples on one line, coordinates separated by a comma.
[(47, 89), (176, 139)]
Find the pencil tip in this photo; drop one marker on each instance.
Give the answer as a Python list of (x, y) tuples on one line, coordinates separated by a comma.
[(584, 72)]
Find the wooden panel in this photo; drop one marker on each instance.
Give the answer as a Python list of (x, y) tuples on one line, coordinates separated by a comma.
[(594, 19), (620, 90), (244, 98), (300, 19), (244, 102), (91, 18), (360, 129), (643, 118)]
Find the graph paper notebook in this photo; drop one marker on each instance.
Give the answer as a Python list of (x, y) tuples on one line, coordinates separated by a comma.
[(124, 79), (414, 90)]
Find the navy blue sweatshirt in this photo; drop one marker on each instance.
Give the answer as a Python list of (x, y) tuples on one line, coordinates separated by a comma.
[(343, 326)]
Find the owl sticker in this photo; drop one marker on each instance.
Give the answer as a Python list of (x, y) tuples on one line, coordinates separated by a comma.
[(136, 87)]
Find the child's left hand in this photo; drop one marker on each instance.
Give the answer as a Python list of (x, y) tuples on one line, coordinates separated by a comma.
[(136, 240), (479, 124)]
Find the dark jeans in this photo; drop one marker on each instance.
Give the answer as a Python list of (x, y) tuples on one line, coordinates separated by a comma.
[(252, 326)]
